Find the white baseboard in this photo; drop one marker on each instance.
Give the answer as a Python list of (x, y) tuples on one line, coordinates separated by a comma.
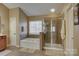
[(70, 52)]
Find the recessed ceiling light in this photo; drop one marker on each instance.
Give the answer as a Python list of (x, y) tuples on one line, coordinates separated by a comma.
[(52, 10)]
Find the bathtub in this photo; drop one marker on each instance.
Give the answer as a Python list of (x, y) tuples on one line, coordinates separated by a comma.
[(32, 43)]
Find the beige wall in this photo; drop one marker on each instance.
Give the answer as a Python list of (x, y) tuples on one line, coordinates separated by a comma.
[(71, 46), (23, 23), (4, 14), (76, 35), (68, 42), (76, 38)]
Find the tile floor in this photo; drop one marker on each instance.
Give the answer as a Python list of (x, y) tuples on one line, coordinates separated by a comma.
[(30, 52), (24, 52)]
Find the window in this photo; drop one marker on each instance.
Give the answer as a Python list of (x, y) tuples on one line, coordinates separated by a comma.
[(35, 27), (53, 29)]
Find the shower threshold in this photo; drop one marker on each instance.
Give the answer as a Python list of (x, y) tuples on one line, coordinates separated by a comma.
[(53, 46)]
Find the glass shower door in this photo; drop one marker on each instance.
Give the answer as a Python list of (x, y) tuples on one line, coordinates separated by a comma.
[(53, 32), (52, 29)]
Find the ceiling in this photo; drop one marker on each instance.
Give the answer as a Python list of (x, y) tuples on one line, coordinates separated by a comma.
[(36, 9)]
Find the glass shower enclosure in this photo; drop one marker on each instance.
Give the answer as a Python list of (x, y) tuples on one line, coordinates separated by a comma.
[(51, 29)]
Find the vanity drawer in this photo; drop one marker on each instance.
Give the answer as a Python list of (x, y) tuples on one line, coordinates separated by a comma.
[(2, 37)]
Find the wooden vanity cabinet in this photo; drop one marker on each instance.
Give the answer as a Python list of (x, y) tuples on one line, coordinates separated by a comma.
[(2, 43)]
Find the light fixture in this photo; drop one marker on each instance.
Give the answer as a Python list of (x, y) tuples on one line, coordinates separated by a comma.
[(52, 10)]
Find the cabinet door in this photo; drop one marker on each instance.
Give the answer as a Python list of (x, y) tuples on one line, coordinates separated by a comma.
[(1, 44)]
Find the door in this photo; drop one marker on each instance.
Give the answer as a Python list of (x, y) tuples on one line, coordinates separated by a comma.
[(13, 31)]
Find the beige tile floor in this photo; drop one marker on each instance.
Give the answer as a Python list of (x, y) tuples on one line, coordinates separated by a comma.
[(31, 52)]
